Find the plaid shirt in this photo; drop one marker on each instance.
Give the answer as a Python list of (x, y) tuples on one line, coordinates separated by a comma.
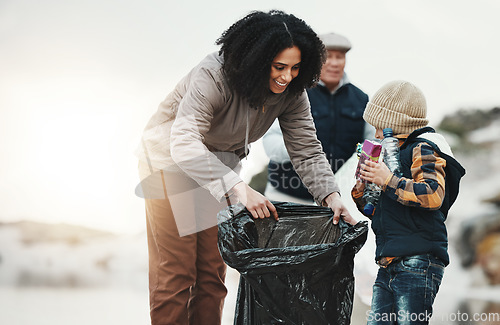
[(426, 188)]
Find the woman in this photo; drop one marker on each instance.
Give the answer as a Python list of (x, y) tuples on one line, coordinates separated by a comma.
[(196, 140)]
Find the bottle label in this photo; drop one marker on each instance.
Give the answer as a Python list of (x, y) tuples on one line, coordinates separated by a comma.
[(371, 151)]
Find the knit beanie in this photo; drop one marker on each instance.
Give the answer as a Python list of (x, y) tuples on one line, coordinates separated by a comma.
[(399, 105)]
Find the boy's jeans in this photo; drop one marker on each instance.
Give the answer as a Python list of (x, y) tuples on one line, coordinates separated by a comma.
[(404, 292)]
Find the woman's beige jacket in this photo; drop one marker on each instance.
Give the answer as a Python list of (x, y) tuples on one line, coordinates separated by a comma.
[(203, 129)]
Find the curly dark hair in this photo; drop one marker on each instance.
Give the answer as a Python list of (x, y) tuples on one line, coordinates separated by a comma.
[(250, 45)]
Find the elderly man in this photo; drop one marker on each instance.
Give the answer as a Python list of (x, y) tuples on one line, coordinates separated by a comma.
[(337, 107)]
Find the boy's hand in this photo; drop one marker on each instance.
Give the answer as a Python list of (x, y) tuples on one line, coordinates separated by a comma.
[(359, 186), (376, 173)]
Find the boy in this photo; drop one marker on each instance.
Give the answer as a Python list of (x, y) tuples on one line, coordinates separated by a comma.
[(408, 221)]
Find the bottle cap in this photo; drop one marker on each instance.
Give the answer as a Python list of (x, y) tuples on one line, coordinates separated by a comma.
[(368, 209), (387, 132)]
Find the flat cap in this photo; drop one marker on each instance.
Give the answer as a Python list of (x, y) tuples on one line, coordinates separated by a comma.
[(334, 41)]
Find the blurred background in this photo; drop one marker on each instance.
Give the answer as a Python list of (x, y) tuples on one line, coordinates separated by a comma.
[(80, 79)]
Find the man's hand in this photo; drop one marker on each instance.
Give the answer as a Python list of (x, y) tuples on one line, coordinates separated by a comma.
[(374, 172), (257, 204), (334, 202)]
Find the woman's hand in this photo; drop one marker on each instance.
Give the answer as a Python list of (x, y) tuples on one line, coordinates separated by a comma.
[(374, 172), (334, 202), (257, 204)]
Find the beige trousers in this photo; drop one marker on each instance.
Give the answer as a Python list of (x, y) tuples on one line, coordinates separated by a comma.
[(186, 273)]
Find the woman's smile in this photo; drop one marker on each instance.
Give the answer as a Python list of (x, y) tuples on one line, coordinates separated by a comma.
[(284, 68)]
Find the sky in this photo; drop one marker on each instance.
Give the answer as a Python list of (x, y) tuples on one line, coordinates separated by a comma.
[(80, 79)]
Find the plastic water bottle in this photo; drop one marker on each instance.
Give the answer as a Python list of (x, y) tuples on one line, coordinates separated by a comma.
[(370, 196), (390, 154)]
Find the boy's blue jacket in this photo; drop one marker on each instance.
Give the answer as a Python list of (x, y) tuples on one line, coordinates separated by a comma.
[(404, 230)]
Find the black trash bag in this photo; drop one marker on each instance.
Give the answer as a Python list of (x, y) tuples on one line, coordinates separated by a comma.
[(298, 270)]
